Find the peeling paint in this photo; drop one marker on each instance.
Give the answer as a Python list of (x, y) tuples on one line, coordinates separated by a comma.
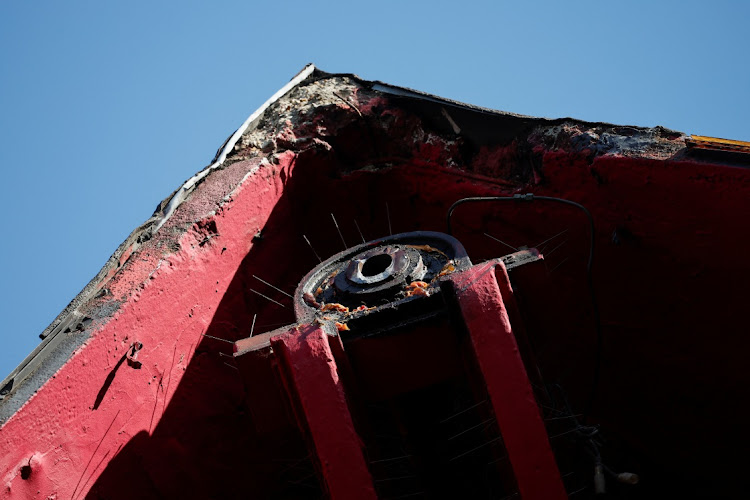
[(335, 143)]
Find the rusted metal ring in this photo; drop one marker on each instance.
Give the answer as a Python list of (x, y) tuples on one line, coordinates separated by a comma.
[(377, 272), (376, 266)]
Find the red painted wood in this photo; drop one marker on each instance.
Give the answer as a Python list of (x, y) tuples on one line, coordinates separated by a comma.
[(668, 229), (165, 302), (313, 381), (508, 386)]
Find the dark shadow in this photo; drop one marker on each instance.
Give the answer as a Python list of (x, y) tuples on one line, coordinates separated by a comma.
[(108, 381), (674, 372)]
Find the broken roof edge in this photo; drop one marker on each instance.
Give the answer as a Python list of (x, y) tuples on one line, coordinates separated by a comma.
[(400, 91), (229, 144), (71, 316), (311, 73)]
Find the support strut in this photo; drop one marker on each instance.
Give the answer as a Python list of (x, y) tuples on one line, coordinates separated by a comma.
[(494, 345), (312, 379)]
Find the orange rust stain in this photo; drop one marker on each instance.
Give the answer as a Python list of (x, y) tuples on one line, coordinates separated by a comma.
[(342, 327), (416, 288), (335, 306)]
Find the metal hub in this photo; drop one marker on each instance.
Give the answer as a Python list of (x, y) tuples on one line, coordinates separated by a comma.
[(379, 272), (380, 268)]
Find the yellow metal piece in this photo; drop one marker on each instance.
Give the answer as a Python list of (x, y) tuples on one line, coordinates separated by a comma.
[(716, 144)]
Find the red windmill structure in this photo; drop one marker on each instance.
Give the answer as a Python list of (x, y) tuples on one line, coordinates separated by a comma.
[(533, 308)]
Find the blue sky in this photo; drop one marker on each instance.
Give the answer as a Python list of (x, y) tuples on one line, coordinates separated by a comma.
[(106, 109)]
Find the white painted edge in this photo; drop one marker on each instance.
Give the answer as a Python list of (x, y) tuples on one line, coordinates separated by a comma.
[(181, 193)]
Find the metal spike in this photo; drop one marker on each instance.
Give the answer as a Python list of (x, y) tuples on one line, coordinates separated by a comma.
[(565, 433), (500, 241), (558, 265), (463, 411), (539, 245), (475, 449), (252, 328), (578, 491), (563, 418), (390, 459), (558, 246), (275, 288), (388, 214), (217, 338), (359, 231), (267, 298), (339, 230), (311, 248), (471, 428)]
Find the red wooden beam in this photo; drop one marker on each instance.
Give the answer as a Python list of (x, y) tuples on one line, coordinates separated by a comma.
[(510, 392), (312, 379)]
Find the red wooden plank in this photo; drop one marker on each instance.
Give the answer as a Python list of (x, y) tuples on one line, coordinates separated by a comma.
[(312, 378), (508, 386)]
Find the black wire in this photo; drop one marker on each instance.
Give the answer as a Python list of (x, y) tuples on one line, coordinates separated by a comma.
[(594, 305)]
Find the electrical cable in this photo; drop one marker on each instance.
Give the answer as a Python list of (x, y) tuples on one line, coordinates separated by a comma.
[(529, 197)]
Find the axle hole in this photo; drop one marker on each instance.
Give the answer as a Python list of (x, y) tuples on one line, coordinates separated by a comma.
[(376, 264)]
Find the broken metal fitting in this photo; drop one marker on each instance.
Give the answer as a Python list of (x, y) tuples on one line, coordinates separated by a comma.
[(378, 273)]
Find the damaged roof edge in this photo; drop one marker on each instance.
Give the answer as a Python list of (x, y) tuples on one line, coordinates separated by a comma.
[(407, 92), (179, 196), (46, 355)]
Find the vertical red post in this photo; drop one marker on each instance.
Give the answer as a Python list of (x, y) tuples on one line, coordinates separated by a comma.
[(508, 386), (313, 381)]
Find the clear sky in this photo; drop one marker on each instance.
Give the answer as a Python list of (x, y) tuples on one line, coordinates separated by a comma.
[(106, 109)]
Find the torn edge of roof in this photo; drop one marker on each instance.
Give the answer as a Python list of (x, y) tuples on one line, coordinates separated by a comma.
[(416, 94), (71, 317), (179, 196)]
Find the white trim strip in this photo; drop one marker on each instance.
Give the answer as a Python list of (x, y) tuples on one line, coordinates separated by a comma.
[(180, 195)]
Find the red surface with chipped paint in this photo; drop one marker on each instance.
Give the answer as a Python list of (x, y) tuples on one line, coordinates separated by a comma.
[(312, 379), (670, 275), (510, 392), (173, 299)]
